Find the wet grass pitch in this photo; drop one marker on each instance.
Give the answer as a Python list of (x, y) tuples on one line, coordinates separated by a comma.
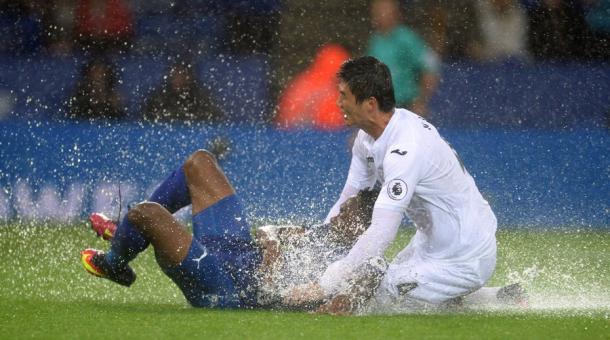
[(44, 293)]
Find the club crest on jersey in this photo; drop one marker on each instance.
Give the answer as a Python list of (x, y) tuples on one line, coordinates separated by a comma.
[(397, 189)]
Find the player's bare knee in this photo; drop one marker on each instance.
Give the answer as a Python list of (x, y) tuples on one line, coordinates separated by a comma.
[(143, 213), (200, 161)]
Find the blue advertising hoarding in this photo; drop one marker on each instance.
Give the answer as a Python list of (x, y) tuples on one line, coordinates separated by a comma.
[(62, 171)]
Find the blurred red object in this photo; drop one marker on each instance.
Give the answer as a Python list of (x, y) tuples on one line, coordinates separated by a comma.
[(310, 99), (104, 19)]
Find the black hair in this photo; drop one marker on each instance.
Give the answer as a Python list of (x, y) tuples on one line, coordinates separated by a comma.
[(368, 77)]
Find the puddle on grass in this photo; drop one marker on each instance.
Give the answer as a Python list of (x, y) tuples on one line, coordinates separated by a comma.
[(43, 263)]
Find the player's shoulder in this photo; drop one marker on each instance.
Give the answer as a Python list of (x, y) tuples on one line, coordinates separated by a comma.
[(406, 125), (406, 131)]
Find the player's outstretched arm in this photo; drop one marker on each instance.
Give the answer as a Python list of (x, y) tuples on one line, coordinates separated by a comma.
[(358, 290), (305, 296), (353, 219)]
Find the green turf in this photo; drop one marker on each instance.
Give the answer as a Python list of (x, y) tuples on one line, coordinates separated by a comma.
[(45, 294)]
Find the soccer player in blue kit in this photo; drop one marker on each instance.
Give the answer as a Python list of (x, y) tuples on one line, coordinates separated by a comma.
[(220, 264), (215, 266)]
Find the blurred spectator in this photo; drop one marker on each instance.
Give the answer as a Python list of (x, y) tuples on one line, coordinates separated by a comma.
[(413, 65), (181, 98), (557, 29), (103, 24), (503, 25), (310, 99), (96, 96), (20, 27), (451, 28), (253, 25), (429, 18), (598, 19), (58, 20)]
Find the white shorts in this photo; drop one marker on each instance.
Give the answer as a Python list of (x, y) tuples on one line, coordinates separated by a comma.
[(412, 279)]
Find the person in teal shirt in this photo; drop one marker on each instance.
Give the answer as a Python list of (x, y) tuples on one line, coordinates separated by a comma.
[(598, 18), (414, 67)]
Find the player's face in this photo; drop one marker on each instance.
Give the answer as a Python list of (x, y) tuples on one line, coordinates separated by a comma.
[(353, 113)]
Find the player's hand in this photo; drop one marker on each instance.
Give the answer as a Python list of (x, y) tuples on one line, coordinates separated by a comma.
[(304, 294), (338, 305)]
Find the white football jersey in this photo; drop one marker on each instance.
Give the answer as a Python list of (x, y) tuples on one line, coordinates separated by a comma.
[(422, 176)]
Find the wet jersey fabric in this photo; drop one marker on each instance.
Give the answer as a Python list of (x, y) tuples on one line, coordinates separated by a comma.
[(423, 176), (221, 267)]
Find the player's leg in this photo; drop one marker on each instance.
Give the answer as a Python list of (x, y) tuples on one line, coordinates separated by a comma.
[(217, 211), (220, 224), (195, 269), (127, 243), (206, 182), (510, 295), (200, 182), (415, 282), (170, 240), (211, 268)]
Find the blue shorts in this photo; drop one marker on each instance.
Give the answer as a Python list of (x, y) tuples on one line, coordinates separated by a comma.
[(221, 266)]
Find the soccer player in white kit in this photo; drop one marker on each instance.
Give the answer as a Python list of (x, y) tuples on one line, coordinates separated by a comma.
[(453, 252)]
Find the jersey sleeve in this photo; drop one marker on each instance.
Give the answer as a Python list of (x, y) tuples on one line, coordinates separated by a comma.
[(402, 167), (359, 177)]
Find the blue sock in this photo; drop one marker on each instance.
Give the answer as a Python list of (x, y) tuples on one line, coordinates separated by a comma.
[(127, 242)]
